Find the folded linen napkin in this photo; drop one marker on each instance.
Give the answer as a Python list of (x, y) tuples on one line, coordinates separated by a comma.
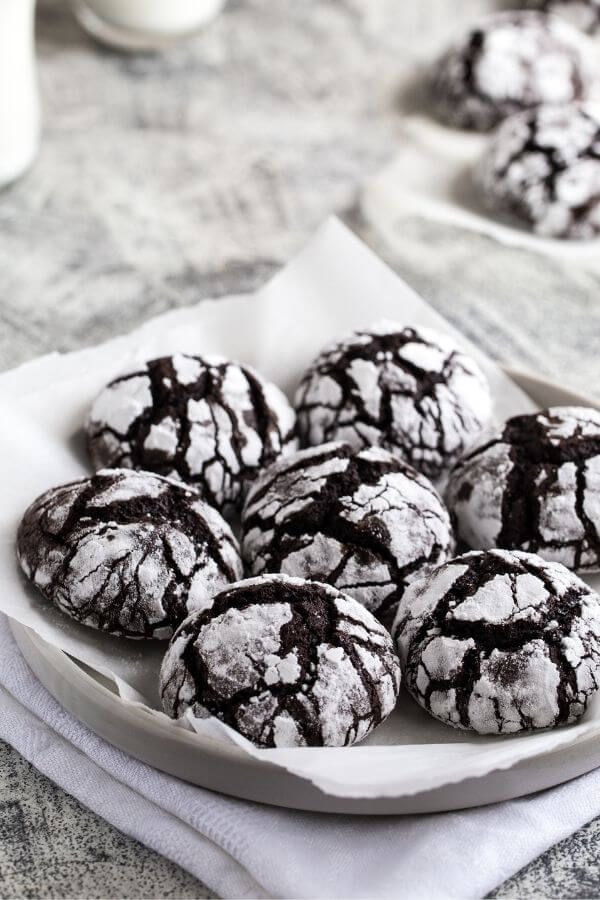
[(243, 849)]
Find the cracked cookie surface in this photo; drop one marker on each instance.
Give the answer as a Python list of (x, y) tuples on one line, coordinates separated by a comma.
[(130, 553), (508, 63), (411, 391), (534, 487), (211, 422), (286, 663), (363, 521), (500, 642), (583, 14), (543, 168)]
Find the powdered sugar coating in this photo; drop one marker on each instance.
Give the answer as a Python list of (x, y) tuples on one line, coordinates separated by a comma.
[(500, 642), (363, 521), (206, 420), (507, 63), (582, 14), (535, 486), (286, 662), (127, 552), (543, 167), (411, 391)]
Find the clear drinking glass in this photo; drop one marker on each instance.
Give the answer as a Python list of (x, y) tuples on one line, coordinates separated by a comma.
[(19, 99), (144, 24)]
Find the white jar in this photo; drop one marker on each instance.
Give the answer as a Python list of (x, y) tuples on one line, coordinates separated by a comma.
[(19, 101), (144, 24)]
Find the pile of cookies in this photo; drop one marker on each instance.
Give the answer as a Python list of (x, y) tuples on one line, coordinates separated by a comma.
[(298, 559), (532, 75)]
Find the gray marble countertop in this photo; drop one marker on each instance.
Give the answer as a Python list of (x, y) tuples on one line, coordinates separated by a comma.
[(164, 179)]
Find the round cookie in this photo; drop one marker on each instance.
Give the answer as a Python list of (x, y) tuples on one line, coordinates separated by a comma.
[(582, 14), (500, 642), (286, 663), (543, 168), (507, 63), (127, 552), (363, 521), (535, 487), (206, 420), (411, 391)]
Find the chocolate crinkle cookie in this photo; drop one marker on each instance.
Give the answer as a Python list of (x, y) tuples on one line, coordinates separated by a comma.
[(543, 168), (363, 521), (206, 420), (535, 486), (126, 552), (583, 14), (508, 63), (286, 663), (500, 642), (409, 390)]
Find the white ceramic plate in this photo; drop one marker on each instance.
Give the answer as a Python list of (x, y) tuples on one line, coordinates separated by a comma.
[(225, 768)]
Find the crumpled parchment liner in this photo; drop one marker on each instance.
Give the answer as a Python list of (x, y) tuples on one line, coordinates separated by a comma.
[(334, 285)]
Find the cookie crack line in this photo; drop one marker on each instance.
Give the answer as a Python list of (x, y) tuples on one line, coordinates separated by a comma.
[(542, 166), (410, 391), (127, 552), (209, 421), (498, 70), (482, 569), (536, 667), (535, 483), (330, 514), (219, 664)]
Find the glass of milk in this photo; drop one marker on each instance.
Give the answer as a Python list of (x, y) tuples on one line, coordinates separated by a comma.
[(19, 101), (144, 24)]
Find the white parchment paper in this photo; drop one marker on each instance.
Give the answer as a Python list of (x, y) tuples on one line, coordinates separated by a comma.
[(335, 285)]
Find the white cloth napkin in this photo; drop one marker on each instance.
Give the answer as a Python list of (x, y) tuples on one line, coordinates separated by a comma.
[(246, 850)]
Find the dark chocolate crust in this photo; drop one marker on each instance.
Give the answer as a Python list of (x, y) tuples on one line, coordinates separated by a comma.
[(129, 553), (211, 422), (285, 662), (501, 642), (500, 68), (584, 14), (411, 391), (364, 522), (543, 168), (534, 487)]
